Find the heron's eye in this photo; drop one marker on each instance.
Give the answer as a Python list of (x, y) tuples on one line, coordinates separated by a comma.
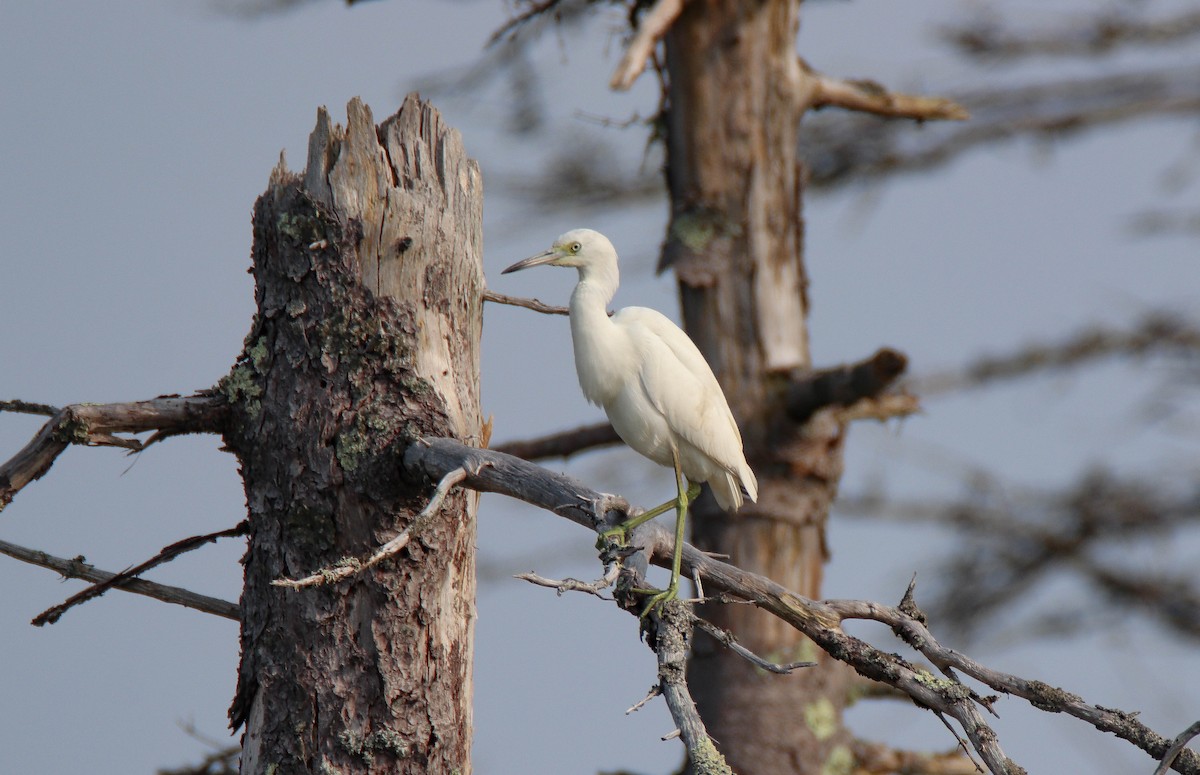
[(576, 247)]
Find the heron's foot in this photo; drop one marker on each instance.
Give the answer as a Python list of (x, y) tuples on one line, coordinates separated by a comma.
[(619, 534), (661, 598)]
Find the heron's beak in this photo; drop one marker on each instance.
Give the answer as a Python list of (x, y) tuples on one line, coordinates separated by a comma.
[(541, 258)]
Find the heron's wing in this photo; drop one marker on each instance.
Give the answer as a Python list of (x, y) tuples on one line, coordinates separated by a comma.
[(680, 384)]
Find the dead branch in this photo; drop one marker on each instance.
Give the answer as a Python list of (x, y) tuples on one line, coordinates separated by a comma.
[(843, 385), (865, 96), (1178, 745), (490, 471), (98, 424), (1089, 35), (28, 407), (53, 614), (650, 30), (352, 566), (1011, 544), (672, 646), (509, 29), (727, 639), (78, 569), (839, 148), (1156, 333), (563, 444), (517, 301), (564, 586)]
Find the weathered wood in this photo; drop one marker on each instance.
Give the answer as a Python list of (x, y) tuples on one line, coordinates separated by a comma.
[(369, 291), (736, 95), (97, 424)]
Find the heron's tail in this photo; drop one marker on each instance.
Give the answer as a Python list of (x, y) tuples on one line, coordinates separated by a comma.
[(728, 489)]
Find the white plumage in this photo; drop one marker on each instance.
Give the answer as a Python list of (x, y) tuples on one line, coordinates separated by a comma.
[(653, 383)]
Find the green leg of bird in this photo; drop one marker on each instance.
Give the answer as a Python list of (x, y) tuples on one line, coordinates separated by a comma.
[(682, 502)]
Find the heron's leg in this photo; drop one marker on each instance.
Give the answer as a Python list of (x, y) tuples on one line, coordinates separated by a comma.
[(682, 502)]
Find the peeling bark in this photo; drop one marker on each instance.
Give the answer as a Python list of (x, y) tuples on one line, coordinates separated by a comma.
[(369, 292)]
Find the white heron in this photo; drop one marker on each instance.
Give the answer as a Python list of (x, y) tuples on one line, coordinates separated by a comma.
[(656, 388)]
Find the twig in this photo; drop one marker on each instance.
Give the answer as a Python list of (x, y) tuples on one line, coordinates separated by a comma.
[(655, 691), (78, 569), (727, 639), (574, 585), (962, 744), (651, 29), (511, 26), (517, 301), (28, 407), (866, 96), (96, 424), (1177, 746), (351, 566), (53, 614)]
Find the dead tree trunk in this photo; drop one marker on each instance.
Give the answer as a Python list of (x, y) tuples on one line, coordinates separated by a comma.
[(368, 284), (736, 96)]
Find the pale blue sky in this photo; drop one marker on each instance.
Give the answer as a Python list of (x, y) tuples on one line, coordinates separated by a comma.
[(138, 135)]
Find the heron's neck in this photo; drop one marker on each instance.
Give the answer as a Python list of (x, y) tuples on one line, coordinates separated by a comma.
[(589, 300), (598, 351), (598, 281)]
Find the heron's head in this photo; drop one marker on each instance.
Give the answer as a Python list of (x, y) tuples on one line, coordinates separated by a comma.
[(581, 248)]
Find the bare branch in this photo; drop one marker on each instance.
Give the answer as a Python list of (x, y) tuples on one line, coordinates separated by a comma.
[(1089, 35), (1040, 695), (510, 27), (1013, 543), (650, 29), (843, 385), (96, 424), (563, 444), (28, 407), (655, 691), (53, 614), (517, 301), (574, 585), (78, 569), (672, 645), (866, 96), (1155, 333), (727, 639), (838, 148), (1177, 746), (820, 621), (352, 566)]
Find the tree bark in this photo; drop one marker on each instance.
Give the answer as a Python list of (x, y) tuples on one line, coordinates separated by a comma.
[(369, 291), (736, 93)]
